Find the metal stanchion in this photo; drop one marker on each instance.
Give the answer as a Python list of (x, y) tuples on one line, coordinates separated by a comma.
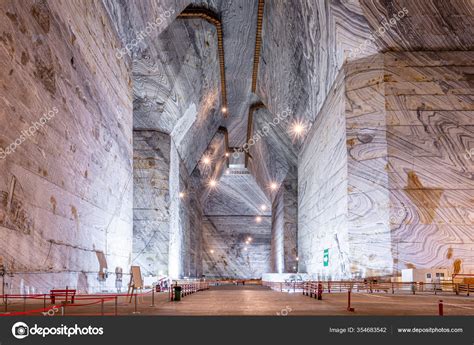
[(102, 307), (440, 308), (349, 308), (24, 303), (136, 310), (6, 302), (44, 301), (152, 296), (116, 303)]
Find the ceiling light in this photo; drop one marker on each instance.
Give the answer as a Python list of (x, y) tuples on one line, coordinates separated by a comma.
[(245, 248), (263, 207), (227, 154), (249, 239), (212, 183), (212, 251), (224, 110), (273, 186), (258, 219), (206, 160), (181, 195), (227, 172), (297, 129)]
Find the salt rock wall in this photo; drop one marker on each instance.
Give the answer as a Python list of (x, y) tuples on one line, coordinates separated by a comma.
[(272, 156), (187, 193), (322, 192), (408, 170), (230, 218), (151, 213), (430, 134), (224, 247), (190, 222), (310, 52), (67, 187), (367, 164), (284, 241), (176, 87), (167, 227)]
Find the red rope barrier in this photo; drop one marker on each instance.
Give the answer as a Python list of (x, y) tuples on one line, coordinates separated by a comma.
[(16, 313), (96, 302)]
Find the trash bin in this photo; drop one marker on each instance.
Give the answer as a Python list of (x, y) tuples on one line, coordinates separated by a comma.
[(177, 293)]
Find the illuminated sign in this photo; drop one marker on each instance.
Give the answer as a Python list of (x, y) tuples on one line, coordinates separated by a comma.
[(326, 258)]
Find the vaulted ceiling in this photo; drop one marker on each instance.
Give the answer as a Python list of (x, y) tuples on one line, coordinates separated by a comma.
[(177, 81)]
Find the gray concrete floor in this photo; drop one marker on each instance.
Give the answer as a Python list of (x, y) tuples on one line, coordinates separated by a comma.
[(258, 300)]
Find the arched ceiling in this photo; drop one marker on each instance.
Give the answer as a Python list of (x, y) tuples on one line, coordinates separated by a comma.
[(304, 44)]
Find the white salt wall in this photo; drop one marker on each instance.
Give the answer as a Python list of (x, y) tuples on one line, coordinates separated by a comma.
[(66, 191), (322, 192)]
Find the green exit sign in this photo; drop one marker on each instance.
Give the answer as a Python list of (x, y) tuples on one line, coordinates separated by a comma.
[(326, 258)]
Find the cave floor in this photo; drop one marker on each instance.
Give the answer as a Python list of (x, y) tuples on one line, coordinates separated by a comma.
[(259, 300)]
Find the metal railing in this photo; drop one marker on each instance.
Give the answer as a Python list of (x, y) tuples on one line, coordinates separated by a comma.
[(373, 287), (25, 304), (188, 288)]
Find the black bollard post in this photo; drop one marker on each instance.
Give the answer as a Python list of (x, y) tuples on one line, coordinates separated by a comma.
[(349, 308), (320, 291), (152, 297)]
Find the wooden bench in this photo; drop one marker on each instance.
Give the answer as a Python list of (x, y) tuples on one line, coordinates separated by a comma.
[(66, 293)]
